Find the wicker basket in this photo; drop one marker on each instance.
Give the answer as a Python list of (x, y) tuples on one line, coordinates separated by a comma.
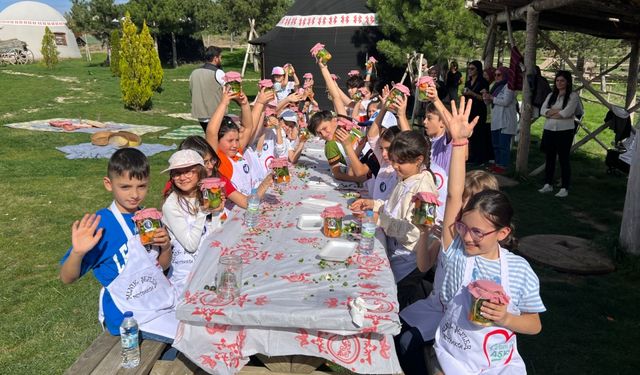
[(101, 138)]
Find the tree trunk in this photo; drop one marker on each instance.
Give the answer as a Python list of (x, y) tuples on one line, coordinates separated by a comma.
[(174, 51), (490, 45), (86, 47), (630, 227), (522, 160)]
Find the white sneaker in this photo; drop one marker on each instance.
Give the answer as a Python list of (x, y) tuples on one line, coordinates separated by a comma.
[(546, 189), (562, 193)]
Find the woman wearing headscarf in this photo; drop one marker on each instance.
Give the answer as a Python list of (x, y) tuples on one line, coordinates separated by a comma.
[(503, 119), (480, 149)]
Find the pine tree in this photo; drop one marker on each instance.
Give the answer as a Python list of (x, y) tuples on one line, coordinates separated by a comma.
[(135, 77), (49, 50), (155, 68), (114, 43)]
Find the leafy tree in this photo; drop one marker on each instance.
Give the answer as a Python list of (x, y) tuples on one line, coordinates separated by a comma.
[(135, 76), (114, 42), (439, 29), (152, 59), (49, 50), (266, 12)]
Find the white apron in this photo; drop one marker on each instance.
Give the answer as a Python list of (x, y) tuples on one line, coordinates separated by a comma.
[(142, 288), (241, 178), (403, 261), (426, 314), (384, 183), (182, 261), (464, 348)]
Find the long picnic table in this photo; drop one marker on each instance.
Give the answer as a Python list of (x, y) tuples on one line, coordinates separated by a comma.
[(291, 302)]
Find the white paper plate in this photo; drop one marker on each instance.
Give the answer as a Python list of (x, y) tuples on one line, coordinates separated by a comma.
[(319, 202), (310, 222), (337, 251)]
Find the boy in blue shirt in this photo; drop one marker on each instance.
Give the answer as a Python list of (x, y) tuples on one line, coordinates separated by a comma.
[(107, 243)]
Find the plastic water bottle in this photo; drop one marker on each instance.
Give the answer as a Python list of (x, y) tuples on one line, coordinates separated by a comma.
[(367, 233), (129, 341), (252, 214)]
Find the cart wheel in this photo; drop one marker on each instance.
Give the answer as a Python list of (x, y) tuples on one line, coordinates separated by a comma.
[(21, 57), (30, 57)]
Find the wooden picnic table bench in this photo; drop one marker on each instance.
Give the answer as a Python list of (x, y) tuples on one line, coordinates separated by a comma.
[(103, 357)]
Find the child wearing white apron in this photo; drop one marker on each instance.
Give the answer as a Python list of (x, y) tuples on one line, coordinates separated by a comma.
[(142, 288)]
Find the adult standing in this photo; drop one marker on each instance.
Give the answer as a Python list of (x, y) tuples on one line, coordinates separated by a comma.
[(503, 118), (557, 137), (205, 86), (480, 149), (453, 81)]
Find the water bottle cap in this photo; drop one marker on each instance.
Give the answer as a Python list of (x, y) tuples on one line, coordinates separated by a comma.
[(128, 314), (369, 213)]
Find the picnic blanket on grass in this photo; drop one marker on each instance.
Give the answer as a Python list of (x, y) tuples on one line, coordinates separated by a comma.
[(90, 151), (183, 132), (43, 125)]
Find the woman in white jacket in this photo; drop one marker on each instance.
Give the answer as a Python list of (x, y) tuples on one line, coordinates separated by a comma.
[(503, 119)]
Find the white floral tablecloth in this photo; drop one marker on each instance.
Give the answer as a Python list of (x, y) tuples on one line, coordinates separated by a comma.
[(291, 302)]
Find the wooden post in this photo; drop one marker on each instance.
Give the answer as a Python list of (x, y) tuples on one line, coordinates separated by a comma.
[(522, 159), (630, 227), (490, 44)]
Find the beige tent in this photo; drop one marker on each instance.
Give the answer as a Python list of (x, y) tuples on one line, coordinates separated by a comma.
[(27, 20)]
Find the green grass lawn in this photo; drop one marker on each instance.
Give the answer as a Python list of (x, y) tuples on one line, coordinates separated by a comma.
[(591, 326)]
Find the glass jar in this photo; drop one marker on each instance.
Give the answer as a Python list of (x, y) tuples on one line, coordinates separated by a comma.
[(395, 93), (147, 228), (213, 197), (475, 315), (235, 87), (229, 276), (282, 175), (424, 213), (332, 227), (323, 55)]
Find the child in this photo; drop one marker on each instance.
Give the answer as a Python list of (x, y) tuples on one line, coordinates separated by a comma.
[(229, 142), (108, 243), (472, 241), (421, 319), (288, 134), (281, 84), (409, 156), (184, 215), (440, 142)]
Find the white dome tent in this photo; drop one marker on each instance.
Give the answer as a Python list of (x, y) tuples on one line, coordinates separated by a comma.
[(26, 21)]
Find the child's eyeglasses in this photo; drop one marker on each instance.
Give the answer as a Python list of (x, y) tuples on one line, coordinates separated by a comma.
[(476, 234), (186, 173)]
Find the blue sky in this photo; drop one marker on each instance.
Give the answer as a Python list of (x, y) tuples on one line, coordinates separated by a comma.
[(61, 6)]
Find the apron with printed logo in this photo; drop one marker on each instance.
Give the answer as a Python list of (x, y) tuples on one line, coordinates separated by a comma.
[(403, 260), (464, 348), (142, 288), (384, 183), (241, 178)]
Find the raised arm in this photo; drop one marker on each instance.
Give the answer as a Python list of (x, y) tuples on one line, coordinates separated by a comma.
[(401, 104), (460, 129), (334, 90), (213, 127), (374, 128), (247, 121)]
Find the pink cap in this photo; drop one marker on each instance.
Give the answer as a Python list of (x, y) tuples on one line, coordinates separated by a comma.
[(489, 290), (427, 197), (402, 88), (265, 83), (353, 73), (307, 85), (211, 182), (232, 76), (314, 51), (426, 79), (277, 71), (334, 211), (372, 60), (307, 76), (147, 213), (269, 111)]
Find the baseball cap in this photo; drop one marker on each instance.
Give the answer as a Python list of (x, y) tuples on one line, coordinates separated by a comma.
[(289, 115), (388, 120), (277, 71), (184, 158)]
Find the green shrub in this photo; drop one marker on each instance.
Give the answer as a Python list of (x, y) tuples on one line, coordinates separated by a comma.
[(155, 68), (135, 77), (49, 50), (114, 45)]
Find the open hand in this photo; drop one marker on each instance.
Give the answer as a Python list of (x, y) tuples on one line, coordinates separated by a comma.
[(84, 235), (458, 120), (265, 96)]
